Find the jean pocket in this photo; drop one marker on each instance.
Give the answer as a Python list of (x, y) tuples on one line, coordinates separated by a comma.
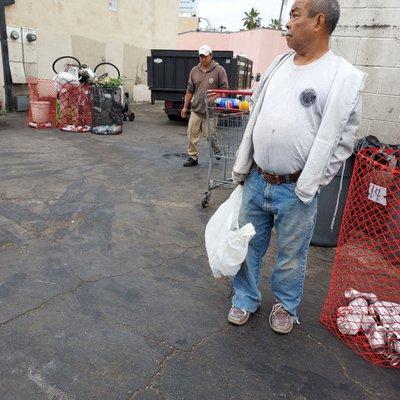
[(290, 188), (250, 176)]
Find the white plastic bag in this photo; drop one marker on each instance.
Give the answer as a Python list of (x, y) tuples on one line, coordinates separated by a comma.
[(63, 78), (226, 244)]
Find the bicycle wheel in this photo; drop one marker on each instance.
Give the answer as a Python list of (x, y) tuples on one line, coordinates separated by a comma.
[(62, 64), (106, 70)]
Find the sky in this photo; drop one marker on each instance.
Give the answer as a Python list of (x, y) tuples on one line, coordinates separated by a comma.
[(229, 13)]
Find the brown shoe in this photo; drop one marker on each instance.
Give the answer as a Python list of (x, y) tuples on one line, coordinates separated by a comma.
[(237, 316), (280, 320)]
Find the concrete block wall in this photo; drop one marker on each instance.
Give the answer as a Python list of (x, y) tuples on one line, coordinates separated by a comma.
[(368, 35)]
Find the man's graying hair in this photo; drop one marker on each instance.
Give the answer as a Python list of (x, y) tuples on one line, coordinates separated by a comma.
[(331, 10)]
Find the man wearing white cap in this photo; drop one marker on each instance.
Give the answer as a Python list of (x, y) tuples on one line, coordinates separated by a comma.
[(208, 74)]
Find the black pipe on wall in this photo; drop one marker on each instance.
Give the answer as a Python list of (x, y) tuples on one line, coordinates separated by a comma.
[(4, 53)]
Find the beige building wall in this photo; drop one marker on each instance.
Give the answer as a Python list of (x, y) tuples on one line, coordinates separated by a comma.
[(92, 32), (187, 24)]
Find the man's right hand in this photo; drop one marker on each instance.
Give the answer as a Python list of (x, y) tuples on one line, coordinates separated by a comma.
[(184, 112)]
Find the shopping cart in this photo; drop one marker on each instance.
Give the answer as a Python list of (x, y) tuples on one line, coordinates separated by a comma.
[(227, 113)]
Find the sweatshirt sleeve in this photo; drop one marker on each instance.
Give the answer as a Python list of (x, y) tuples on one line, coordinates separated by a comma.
[(222, 79), (191, 87), (346, 143)]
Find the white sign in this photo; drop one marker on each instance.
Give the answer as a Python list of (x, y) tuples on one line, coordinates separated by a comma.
[(188, 6), (377, 194)]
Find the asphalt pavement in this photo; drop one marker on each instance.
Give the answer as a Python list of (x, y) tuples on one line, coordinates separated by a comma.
[(106, 292)]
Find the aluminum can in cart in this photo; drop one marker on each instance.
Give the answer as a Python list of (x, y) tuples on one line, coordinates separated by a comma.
[(354, 294), (349, 324), (377, 337)]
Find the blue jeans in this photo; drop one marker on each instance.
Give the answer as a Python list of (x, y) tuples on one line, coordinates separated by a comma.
[(267, 206)]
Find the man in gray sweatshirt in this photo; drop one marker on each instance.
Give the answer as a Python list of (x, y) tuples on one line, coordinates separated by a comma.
[(304, 116)]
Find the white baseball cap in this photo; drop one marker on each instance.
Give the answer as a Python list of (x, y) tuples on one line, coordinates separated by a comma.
[(205, 50)]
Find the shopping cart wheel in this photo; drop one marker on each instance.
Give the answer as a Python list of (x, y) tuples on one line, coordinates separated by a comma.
[(206, 199), (131, 116)]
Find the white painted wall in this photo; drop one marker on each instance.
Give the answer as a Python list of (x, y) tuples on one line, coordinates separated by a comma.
[(89, 30)]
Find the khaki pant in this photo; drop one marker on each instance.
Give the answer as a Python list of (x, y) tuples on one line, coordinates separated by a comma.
[(198, 125)]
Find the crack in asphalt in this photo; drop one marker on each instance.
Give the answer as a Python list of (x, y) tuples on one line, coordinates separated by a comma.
[(144, 267), (371, 395), (152, 384), (39, 235), (72, 290), (84, 282), (154, 379)]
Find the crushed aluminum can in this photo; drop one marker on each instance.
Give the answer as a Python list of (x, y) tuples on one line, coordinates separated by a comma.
[(386, 308), (371, 310), (345, 310), (393, 337), (353, 309), (352, 294), (367, 323), (377, 337), (349, 324), (390, 320), (394, 360), (396, 345), (359, 306)]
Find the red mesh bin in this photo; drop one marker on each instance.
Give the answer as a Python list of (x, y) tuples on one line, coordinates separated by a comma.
[(362, 307), (42, 103), (75, 107)]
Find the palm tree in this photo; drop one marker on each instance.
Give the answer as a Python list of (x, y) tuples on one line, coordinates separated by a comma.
[(252, 19), (275, 24)]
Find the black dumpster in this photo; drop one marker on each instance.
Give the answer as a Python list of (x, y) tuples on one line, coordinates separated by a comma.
[(323, 235), (168, 73)]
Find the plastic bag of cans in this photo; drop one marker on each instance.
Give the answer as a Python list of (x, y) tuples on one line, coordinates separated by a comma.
[(378, 321)]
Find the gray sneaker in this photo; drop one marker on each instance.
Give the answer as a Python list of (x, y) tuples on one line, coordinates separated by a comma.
[(237, 316), (280, 320)]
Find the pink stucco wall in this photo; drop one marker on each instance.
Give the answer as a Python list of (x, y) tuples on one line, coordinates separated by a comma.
[(259, 45)]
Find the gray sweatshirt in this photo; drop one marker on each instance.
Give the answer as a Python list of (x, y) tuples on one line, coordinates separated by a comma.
[(200, 81), (335, 137)]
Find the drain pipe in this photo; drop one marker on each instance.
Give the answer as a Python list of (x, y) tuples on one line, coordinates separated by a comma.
[(4, 53)]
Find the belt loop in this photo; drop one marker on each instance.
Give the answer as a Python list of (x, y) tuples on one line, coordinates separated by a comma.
[(287, 178)]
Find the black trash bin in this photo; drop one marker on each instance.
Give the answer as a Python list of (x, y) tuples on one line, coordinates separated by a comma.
[(323, 236)]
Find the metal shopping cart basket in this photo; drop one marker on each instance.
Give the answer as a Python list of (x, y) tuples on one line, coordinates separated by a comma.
[(227, 113)]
